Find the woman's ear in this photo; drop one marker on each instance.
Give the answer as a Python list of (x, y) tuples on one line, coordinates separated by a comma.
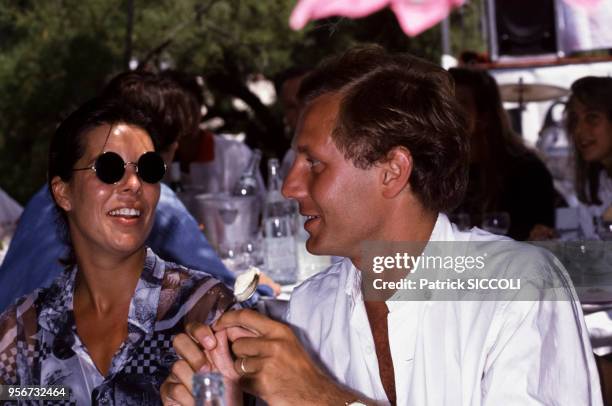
[(61, 194), (396, 171)]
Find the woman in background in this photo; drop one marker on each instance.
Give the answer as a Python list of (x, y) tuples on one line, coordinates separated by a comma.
[(505, 176), (589, 123)]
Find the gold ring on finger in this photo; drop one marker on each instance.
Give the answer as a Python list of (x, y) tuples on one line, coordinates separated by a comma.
[(242, 367)]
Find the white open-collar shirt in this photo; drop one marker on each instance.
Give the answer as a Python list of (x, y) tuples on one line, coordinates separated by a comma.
[(449, 353)]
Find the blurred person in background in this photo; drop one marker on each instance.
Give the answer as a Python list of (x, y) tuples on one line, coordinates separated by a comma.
[(104, 328), (32, 260), (504, 176), (589, 123), (210, 163)]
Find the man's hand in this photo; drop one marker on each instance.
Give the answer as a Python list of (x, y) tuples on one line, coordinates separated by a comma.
[(274, 365), (202, 350)]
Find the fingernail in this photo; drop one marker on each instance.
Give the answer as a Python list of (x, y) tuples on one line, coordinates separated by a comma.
[(209, 343)]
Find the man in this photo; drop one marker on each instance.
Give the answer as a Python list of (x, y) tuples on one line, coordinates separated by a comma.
[(32, 260), (381, 155)]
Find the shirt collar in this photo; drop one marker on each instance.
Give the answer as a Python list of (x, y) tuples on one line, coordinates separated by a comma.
[(353, 280), (442, 231), (57, 302), (143, 307)]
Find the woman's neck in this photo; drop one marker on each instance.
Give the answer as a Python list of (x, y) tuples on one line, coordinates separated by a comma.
[(104, 283)]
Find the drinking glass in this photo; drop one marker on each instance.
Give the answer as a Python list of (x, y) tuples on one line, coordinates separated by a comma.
[(496, 222), (208, 389)]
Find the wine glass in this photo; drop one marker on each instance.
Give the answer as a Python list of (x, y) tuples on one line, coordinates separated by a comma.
[(496, 222)]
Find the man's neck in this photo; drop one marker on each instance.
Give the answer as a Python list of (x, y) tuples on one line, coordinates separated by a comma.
[(408, 235), (415, 228)]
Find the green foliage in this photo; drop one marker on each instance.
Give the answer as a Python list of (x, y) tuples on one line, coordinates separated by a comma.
[(54, 54), (58, 54)]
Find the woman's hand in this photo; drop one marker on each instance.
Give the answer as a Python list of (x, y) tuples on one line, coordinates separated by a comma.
[(202, 350)]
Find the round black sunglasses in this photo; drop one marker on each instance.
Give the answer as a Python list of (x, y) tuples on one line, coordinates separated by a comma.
[(110, 167)]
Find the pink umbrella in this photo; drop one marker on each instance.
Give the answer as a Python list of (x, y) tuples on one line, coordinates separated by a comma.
[(414, 16), (589, 5)]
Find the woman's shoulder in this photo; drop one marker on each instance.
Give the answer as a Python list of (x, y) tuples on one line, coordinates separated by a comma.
[(175, 275), (193, 294)]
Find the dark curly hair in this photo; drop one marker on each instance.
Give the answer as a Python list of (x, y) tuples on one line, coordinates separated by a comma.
[(392, 100), (177, 110)]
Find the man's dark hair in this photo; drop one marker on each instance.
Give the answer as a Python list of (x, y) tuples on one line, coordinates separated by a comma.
[(177, 113), (393, 101)]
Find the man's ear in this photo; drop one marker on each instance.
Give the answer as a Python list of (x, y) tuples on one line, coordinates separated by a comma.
[(396, 171), (60, 191)]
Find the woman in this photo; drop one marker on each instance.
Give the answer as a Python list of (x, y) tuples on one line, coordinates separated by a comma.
[(589, 122), (505, 176), (104, 328)]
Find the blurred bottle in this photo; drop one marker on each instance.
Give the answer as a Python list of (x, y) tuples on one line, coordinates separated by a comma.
[(208, 389), (279, 220), (247, 184), (175, 177)]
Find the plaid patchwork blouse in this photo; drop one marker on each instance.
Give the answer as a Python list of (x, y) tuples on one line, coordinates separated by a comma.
[(39, 344)]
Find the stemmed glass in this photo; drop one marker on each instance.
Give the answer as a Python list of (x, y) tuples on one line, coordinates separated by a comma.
[(496, 222)]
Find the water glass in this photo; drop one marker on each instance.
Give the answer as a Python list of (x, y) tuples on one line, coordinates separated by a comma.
[(208, 389)]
